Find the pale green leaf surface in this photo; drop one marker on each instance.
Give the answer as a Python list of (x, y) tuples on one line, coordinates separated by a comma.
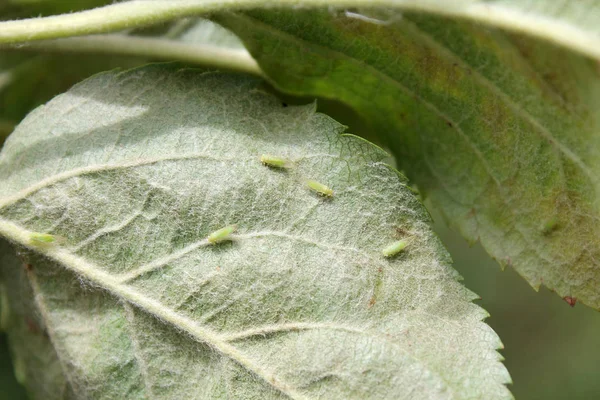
[(500, 131), (134, 170)]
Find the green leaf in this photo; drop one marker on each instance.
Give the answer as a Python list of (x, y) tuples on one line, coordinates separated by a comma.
[(500, 131), (134, 170), (497, 128)]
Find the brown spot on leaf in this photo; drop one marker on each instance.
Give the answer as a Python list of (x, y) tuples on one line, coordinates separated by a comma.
[(372, 301), (570, 300), (401, 232)]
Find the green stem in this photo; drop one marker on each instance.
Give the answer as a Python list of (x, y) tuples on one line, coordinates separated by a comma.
[(146, 12), (205, 55)]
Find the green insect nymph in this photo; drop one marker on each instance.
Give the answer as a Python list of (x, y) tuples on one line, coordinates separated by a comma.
[(221, 235), (394, 248), (274, 161), (41, 238), (319, 188)]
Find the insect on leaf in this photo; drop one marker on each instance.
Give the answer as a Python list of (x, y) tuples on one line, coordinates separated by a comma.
[(302, 307)]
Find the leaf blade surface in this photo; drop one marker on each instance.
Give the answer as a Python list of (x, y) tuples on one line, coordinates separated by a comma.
[(499, 130), (301, 304)]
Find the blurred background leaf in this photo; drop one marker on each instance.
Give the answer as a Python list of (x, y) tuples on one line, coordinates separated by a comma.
[(9, 388)]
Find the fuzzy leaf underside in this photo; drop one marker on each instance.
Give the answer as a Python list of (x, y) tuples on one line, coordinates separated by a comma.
[(134, 170), (499, 130)]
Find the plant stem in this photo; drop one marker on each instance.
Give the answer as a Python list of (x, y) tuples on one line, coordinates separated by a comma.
[(200, 54), (137, 13)]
